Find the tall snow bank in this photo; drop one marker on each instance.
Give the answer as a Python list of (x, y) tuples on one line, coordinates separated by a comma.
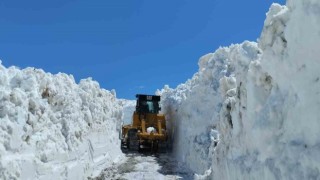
[(193, 109), (259, 102), (52, 127)]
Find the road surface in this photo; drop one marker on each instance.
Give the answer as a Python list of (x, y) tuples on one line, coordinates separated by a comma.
[(147, 166)]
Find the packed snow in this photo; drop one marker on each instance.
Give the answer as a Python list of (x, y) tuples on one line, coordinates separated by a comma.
[(251, 112), (54, 128), (147, 166)]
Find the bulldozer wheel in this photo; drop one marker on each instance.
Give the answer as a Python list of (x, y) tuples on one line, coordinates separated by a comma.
[(163, 147), (133, 140), (154, 146)]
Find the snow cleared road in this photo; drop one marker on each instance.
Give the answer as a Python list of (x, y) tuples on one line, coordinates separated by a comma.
[(259, 101), (147, 166)]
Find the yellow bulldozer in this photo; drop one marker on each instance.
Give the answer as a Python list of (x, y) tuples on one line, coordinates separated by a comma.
[(148, 128)]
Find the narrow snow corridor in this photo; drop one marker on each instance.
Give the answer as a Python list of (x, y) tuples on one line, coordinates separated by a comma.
[(250, 112)]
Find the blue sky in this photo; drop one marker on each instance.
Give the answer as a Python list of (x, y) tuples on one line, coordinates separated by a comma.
[(130, 46)]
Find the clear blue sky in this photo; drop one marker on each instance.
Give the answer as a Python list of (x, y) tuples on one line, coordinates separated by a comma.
[(132, 46)]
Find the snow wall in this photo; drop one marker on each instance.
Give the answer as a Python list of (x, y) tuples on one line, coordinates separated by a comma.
[(252, 109), (53, 128)]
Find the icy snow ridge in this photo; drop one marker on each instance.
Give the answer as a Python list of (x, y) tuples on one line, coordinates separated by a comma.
[(53, 128), (262, 99)]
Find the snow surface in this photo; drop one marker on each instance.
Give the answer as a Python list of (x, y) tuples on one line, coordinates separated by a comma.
[(259, 101), (147, 166), (53, 128)]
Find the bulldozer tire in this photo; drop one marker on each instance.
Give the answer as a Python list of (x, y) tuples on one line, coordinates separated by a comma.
[(163, 147), (169, 145), (133, 140)]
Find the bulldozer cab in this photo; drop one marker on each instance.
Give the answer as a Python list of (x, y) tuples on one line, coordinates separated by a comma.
[(147, 104)]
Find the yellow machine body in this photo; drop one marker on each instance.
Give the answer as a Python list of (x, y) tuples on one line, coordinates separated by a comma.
[(142, 122), (142, 119), (157, 121)]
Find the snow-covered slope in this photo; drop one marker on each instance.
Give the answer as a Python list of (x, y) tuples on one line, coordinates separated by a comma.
[(260, 101), (53, 128)]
